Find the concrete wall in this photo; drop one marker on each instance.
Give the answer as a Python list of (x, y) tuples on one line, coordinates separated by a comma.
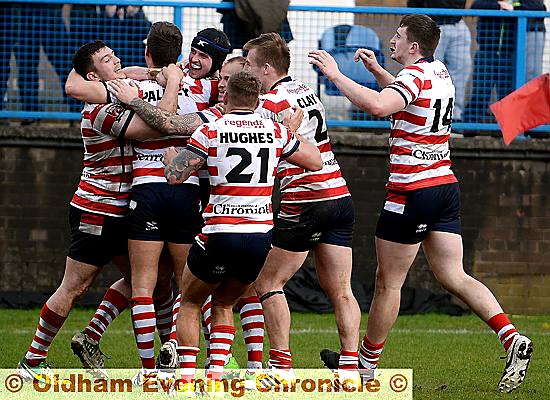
[(505, 211)]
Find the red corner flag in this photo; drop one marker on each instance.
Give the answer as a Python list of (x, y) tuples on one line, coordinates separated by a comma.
[(524, 109)]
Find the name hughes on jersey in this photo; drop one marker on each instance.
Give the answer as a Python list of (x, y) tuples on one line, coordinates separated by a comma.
[(246, 137), (229, 209)]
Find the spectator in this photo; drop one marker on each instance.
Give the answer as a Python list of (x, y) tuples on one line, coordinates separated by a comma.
[(6, 42), (536, 32), (125, 28), (251, 18), (40, 26), (85, 23), (494, 60), (454, 47)]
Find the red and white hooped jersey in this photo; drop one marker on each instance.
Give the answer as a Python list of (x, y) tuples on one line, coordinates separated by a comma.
[(106, 178), (419, 138), (195, 95), (297, 184), (242, 151)]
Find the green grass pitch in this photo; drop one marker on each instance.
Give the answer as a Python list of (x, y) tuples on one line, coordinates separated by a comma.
[(451, 357)]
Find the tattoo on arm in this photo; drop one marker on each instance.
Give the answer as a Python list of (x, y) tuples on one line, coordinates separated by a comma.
[(183, 165), (164, 121)]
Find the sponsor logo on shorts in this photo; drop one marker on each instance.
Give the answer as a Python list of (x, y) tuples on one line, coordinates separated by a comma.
[(421, 228), (315, 237), (218, 269), (151, 226)]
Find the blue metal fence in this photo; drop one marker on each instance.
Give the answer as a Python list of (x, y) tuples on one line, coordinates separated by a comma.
[(489, 53)]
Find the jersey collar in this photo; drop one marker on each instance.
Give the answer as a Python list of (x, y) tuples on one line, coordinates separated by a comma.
[(285, 79), (426, 59), (241, 112)]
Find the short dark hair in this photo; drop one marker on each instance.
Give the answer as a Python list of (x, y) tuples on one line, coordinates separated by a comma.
[(271, 49), (423, 30), (164, 42), (82, 58), (243, 89)]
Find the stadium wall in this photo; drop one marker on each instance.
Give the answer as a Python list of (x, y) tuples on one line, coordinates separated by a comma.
[(505, 211)]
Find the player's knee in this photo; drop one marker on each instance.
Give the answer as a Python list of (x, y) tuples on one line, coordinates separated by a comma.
[(76, 292), (453, 282), (388, 280)]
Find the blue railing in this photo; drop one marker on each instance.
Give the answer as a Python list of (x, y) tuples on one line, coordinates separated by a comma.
[(33, 85)]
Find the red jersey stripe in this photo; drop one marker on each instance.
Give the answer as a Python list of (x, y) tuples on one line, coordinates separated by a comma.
[(417, 138), (87, 187), (276, 107), (409, 117), (414, 169), (400, 151), (396, 197), (99, 207), (148, 172), (422, 183), (241, 190), (323, 194), (314, 178), (162, 144)]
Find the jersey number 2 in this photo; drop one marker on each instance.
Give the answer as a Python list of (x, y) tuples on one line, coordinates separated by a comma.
[(320, 134)]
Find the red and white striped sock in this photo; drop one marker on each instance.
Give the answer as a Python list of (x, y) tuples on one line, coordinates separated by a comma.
[(369, 353), (111, 306), (206, 320), (175, 311), (280, 359), (187, 357), (163, 312), (252, 321), (348, 360), (505, 330), (143, 319), (48, 326), (221, 339)]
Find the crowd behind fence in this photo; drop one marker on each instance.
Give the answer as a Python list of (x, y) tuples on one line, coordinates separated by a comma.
[(502, 50)]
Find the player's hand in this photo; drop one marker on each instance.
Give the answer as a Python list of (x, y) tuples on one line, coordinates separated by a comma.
[(220, 106), (325, 62), (169, 155), (171, 72), (368, 58), (294, 119), (122, 91)]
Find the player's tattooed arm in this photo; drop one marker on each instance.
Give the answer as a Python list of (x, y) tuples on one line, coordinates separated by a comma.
[(179, 166), (164, 121)]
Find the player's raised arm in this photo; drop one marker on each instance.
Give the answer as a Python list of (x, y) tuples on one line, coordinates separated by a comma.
[(379, 104), (383, 77), (163, 120), (93, 92)]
